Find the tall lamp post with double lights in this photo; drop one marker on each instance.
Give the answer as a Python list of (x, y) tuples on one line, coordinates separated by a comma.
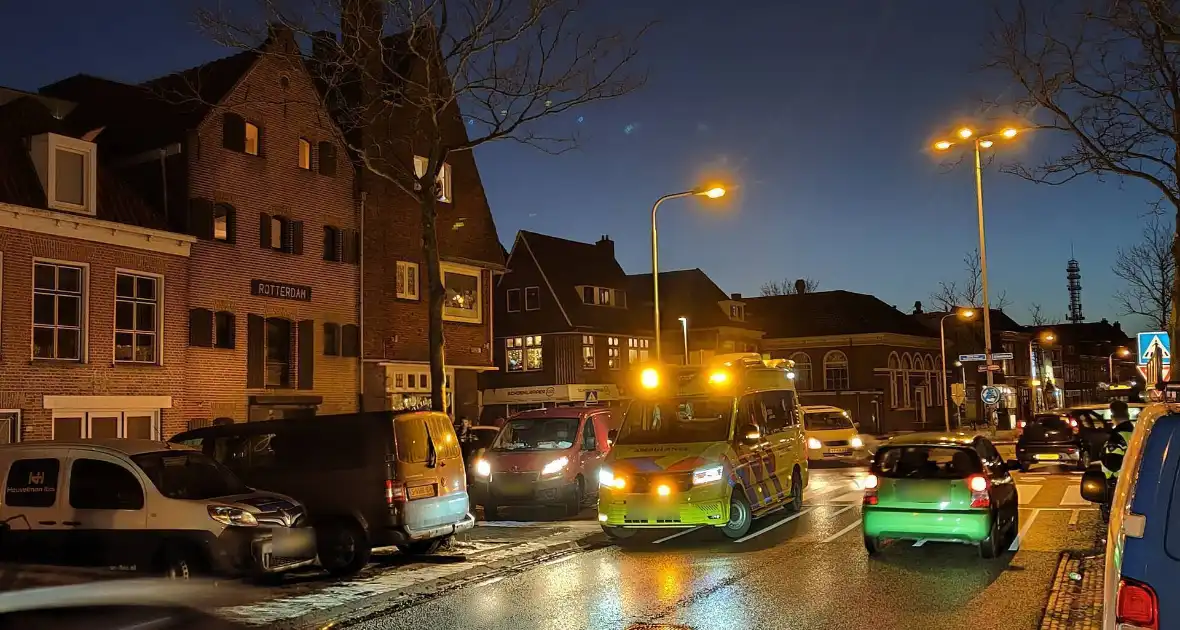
[(980, 142), (712, 192), (964, 314)]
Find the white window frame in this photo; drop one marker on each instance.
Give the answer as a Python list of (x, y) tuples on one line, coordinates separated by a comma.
[(403, 269), (508, 301), (443, 180), (18, 430), (158, 359), (44, 148), (525, 304), (614, 356), (523, 343), (831, 360), (84, 321), (803, 384), (464, 270), (87, 416)]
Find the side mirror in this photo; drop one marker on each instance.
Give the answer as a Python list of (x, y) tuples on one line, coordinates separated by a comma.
[(751, 434), (1012, 464), (612, 435), (1094, 486)]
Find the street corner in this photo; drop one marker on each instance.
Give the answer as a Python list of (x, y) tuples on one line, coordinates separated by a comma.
[(394, 581)]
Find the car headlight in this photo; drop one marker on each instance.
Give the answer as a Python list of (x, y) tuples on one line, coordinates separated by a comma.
[(232, 516), (605, 477), (814, 443), (555, 466), (856, 442), (707, 475), (483, 468)]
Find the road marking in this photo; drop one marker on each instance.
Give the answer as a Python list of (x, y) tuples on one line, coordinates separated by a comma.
[(850, 497), (676, 535), (1026, 493), (844, 531), (1023, 530), (920, 543), (1073, 496), (1073, 518), (777, 524), (842, 510)]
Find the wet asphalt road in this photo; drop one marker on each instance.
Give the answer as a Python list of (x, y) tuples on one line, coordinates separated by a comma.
[(808, 570)]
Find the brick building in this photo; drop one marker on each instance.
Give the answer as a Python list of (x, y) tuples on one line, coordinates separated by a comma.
[(713, 322), (854, 351), (93, 316), (237, 153), (1074, 361), (567, 330)]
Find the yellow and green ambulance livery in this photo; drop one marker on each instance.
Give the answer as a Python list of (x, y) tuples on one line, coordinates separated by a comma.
[(717, 445)]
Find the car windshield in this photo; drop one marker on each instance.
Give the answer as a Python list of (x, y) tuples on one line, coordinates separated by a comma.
[(826, 420), (189, 475), (677, 420), (926, 462), (537, 434)]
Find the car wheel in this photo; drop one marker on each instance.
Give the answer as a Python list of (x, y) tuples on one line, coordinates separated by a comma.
[(574, 504), (990, 546), (343, 547), (740, 516), (424, 547), (491, 512), (796, 491), (872, 545), (1025, 466), (179, 563)]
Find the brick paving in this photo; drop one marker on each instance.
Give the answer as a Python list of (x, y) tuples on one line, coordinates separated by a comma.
[(1075, 599)]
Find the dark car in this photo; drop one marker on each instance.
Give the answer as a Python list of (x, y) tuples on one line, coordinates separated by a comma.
[(1067, 437)]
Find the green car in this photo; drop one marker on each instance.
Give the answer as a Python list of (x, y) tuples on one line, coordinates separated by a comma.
[(951, 487)]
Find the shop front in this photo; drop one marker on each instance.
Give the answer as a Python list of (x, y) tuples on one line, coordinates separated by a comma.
[(506, 401)]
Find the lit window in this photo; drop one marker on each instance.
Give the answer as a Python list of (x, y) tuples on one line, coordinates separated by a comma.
[(136, 318), (57, 311), (304, 154), (613, 355), (462, 301), (532, 350), (222, 220), (278, 232), (605, 297), (588, 360), (443, 181), (523, 354), (407, 280), (251, 139)]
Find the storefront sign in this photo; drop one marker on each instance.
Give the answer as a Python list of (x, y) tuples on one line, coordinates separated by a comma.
[(550, 393), (280, 290)]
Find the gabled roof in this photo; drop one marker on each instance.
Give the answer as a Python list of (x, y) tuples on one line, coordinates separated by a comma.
[(568, 264), (829, 313), (20, 185), (687, 292), (1000, 321), (1088, 332)]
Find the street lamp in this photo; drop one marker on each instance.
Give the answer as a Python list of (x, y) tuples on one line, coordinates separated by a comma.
[(712, 192), (961, 313), (1122, 353), (981, 141), (684, 327)]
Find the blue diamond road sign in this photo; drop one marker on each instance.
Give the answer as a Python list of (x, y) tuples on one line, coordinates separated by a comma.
[(1152, 342)]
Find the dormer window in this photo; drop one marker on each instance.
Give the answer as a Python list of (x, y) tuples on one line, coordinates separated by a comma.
[(737, 312), (603, 296), (67, 168)]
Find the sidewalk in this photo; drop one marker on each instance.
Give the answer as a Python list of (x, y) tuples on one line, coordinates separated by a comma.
[(1075, 599)]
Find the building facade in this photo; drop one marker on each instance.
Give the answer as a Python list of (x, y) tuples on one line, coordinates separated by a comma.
[(1074, 362), (853, 351), (93, 311), (238, 155), (567, 330)]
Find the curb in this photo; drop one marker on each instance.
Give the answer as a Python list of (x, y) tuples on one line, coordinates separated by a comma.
[(1075, 604), (366, 608)]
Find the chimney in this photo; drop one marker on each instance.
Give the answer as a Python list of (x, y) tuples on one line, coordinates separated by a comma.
[(736, 297), (606, 245), (282, 35), (917, 308), (800, 286)]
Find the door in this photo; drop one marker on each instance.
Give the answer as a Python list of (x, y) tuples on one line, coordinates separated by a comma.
[(1003, 485), (920, 404), (757, 456), (33, 507), (105, 513), (593, 452), (785, 435), (1093, 431)]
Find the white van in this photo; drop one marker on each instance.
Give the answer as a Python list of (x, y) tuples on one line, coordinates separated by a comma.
[(831, 434), (143, 505)]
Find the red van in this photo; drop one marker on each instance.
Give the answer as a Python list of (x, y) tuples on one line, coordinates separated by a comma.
[(543, 457)]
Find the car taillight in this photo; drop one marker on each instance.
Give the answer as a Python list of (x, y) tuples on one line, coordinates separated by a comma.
[(1137, 605), (870, 490), (979, 491), (395, 492), (1023, 424)]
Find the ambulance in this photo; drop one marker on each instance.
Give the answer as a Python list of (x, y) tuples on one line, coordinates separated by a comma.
[(715, 445)]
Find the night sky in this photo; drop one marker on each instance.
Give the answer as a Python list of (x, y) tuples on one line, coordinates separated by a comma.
[(820, 111)]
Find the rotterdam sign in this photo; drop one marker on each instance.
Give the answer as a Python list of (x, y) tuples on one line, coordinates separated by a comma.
[(266, 288)]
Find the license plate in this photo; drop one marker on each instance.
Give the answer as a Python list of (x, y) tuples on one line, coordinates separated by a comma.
[(422, 492), (1048, 456), (841, 451)]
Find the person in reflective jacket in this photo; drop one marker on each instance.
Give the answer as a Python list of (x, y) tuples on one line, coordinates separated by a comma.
[(1116, 445)]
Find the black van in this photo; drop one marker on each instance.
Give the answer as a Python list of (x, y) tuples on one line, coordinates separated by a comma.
[(368, 479)]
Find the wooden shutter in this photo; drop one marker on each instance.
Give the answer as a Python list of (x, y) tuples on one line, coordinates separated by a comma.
[(305, 378), (264, 230), (296, 246), (231, 322), (352, 246), (200, 328), (330, 239), (200, 218), (233, 132), (255, 351), (349, 340), (327, 152)]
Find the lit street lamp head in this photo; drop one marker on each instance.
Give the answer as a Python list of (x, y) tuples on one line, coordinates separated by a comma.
[(942, 145), (986, 144), (1009, 133), (712, 193), (965, 133), (967, 313)]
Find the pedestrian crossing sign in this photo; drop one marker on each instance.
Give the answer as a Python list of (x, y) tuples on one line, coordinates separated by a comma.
[(1152, 344), (592, 397)]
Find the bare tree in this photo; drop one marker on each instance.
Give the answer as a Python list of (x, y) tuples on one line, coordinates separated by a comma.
[(789, 287), (410, 83), (1148, 270), (1039, 318), (1105, 76), (969, 292)]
